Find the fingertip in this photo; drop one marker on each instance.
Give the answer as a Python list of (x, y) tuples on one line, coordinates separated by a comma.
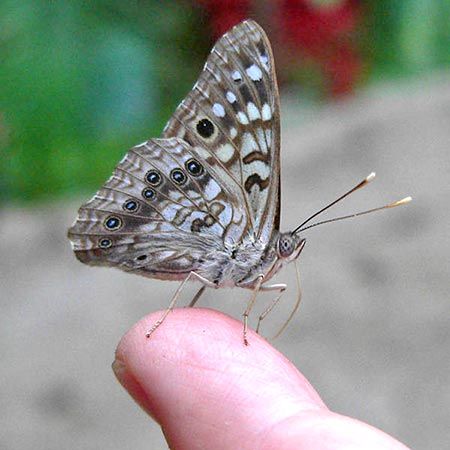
[(127, 380), (195, 365)]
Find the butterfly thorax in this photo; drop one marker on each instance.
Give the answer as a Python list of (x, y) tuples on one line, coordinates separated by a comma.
[(241, 264)]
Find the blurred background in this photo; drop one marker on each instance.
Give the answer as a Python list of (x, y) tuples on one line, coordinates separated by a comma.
[(365, 86)]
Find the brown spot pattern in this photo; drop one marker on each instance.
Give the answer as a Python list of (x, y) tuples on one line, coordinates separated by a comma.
[(255, 156), (256, 179)]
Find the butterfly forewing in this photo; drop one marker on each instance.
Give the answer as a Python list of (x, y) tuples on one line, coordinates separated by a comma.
[(232, 115)]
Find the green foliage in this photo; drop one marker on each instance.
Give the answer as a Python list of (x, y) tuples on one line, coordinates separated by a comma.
[(80, 84), (407, 37)]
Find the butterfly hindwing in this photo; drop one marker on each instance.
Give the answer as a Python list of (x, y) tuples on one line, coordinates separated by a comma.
[(161, 209)]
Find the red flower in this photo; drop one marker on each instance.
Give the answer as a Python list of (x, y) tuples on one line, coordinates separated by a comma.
[(225, 14), (323, 34)]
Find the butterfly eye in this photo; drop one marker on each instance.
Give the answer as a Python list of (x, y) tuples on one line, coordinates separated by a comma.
[(113, 223), (194, 167), (205, 128), (286, 246), (153, 177), (105, 243), (141, 257), (131, 206), (178, 176), (148, 194)]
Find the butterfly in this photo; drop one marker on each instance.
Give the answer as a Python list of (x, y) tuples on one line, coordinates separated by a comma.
[(203, 201)]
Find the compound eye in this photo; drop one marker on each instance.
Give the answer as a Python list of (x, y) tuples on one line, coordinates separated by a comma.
[(286, 246)]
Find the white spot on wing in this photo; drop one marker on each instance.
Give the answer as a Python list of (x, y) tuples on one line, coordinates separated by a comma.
[(264, 61), (248, 144), (236, 75), (258, 167), (212, 190), (254, 72), (176, 195), (231, 97), (252, 111), (225, 153), (215, 229), (185, 202), (218, 110), (164, 226), (170, 211), (233, 132), (203, 152), (266, 112), (225, 216), (242, 117)]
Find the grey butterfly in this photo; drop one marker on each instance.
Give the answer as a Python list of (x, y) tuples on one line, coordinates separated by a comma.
[(203, 201)]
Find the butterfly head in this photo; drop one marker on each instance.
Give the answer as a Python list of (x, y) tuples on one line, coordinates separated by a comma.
[(290, 246)]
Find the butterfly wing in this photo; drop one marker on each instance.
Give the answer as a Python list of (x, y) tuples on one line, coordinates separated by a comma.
[(232, 118), (176, 202), (160, 213)]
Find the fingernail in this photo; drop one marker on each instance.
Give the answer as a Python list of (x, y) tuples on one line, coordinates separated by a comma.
[(132, 386)]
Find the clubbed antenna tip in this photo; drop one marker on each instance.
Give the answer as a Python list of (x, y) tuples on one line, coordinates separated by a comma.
[(361, 184), (403, 201), (370, 177)]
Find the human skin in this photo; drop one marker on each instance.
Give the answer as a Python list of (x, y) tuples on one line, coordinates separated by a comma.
[(207, 390)]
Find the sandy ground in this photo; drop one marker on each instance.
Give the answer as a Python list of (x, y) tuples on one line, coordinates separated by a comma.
[(373, 331)]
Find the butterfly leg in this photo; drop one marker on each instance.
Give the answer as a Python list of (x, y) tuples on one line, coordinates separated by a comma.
[(206, 283), (297, 303), (197, 296), (250, 304), (273, 287)]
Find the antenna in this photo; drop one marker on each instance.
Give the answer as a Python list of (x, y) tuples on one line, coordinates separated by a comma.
[(403, 201), (360, 185)]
